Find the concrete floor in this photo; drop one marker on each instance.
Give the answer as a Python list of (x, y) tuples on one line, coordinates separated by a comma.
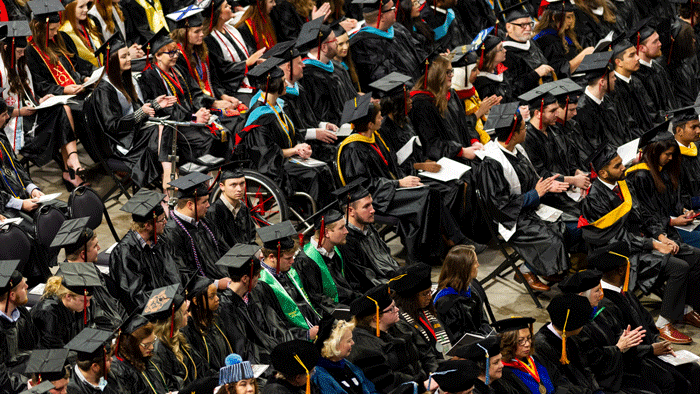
[(507, 297)]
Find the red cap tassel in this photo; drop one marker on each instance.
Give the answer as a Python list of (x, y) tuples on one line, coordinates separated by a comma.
[(405, 101), (211, 18), (638, 36), (85, 307), (515, 123), (670, 51), (196, 218), (172, 320), (495, 29), (279, 248), (47, 32), (318, 53), (434, 10), (481, 58), (301, 239), (148, 58), (322, 231), (38, 379), (379, 17), (566, 109), (541, 109), (425, 79)]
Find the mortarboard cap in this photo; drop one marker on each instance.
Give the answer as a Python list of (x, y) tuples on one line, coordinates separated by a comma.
[(684, 114), (364, 306), (640, 32), (293, 358), (90, 343), (49, 364), (455, 376), (281, 233), (19, 30), (356, 109), (337, 28), (370, 5), (285, 51), (411, 279), (581, 281), (46, 10), (312, 34), (9, 276), (515, 11), (351, 192), (158, 41), (133, 323), (620, 44), (79, 277), (191, 185), (609, 257), (390, 85), (238, 257), (232, 170), (564, 88), (655, 134), (111, 45), (463, 56), (329, 217), (269, 67), (569, 311), (41, 388), (73, 235), (501, 118), (144, 206), (235, 370), (595, 65), (601, 157), (538, 97), (190, 16), (197, 285), (512, 324), (475, 351), (557, 6), (485, 42), (163, 302), (325, 328)]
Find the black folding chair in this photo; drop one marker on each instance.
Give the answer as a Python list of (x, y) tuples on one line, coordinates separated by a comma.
[(85, 202), (47, 222), (509, 264), (16, 245)]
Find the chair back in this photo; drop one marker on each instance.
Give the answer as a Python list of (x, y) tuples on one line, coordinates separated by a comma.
[(47, 222), (17, 246), (85, 202)]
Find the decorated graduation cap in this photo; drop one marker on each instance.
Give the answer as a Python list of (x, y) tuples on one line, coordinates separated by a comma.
[(373, 302), (90, 344), (41, 388), (513, 324), (145, 206), (454, 376), (484, 42), (192, 185), (601, 157), (656, 134), (463, 56), (73, 235), (411, 279), (297, 357), (569, 312), (515, 12), (111, 45), (241, 260), (47, 364), (190, 16), (685, 114), (80, 278), (235, 370), (9, 277), (595, 65), (356, 109), (278, 237), (162, 304), (581, 281), (158, 41), (371, 6), (16, 36), (481, 350), (503, 119)]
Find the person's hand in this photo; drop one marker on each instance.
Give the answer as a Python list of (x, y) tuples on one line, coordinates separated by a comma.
[(2, 218), (224, 282), (30, 205), (223, 104), (326, 136), (662, 247), (331, 127), (234, 101), (202, 115), (253, 59), (543, 185), (587, 51), (486, 105), (682, 220), (410, 181), (312, 332), (630, 338), (36, 193), (581, 181), (136, 52), (348, 24), (525, 112), (667, 241), (324, 10), (303, 150), (27, 111), (663, 347), (148, 110), (48, 96), (544, 70), (468, 153), (557, 186), (166, 101), (73, 89)]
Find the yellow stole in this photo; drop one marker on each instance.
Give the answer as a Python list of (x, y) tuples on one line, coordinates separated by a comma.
[(471, 105), (637, 167), (154, 13), (616, 214), (83, 51), (691, 151), (356, 137)]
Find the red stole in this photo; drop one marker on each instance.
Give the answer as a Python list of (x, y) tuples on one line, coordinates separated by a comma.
[(58, 72)]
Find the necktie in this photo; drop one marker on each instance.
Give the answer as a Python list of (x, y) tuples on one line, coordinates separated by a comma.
[(616, 189)]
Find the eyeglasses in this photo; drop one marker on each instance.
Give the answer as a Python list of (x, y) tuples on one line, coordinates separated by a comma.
[(388, 10), (147, 345), (522, 341), (525, 25), (163, 220), (426, 293), (391, 308), (172, 53)]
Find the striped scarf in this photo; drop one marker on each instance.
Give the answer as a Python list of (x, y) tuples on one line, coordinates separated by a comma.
[(434, 333)]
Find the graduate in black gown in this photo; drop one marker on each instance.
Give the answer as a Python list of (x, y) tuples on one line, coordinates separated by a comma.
[(570, 137), (143, 19), (653, 75), (141, 261), (679, 58), (594, 20), (322, 267), (231, 215), (686, 128), (17, 328), (447, 24), (92, 365), (486, 354), (383, 46), (294, 360), (196, 246)]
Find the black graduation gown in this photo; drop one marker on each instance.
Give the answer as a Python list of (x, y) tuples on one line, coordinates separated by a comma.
[(396, 136), (105, 113), (234, 229), (690, 179), (633, 105), (683, 76), (137, 270), (125, 378), (588, 30), (627, 15), (657, 85), (457, 120), (554, 51), (479, 14), (311, 279), (229, 75), (109, 313), (326, 91), (487, 87), (460, 315), (601, 123), (454, 35), (579, 145), (369, 258), (43, 80), (437, 139), (540, 243), (56, 324), (548, 347), (17, 12), (377, 56), (16, 338), (286, 21), (181, 373), (212, 344), (136, 22), (207, 248), (521, 66), (481, 388), (279, 386), (77, 385), (654, 208)]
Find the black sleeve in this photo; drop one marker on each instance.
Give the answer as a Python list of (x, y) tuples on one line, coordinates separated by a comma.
[(427, 120)]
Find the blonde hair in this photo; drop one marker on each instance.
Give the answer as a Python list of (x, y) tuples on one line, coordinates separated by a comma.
[(178, 341), (54, 288), (330, 345)]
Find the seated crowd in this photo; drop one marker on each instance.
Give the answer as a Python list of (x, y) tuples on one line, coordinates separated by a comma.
[(564, 129)]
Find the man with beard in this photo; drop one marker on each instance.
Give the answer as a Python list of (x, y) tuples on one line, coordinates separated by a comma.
[(686, 130), (450, 30), (94, 359), (16, 327), (653, 76), (526, 65)]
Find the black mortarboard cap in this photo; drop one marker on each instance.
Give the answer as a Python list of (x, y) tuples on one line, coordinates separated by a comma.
[(620, 45), (190, 16), (356, 109), (192, 184), (370, 5), (283, 357), (515, 11), (211, 5), (90, 343), (569, 311), (144, 206), (475, 351), (488, 42), (285, 51), (609, 257), (281, 232), (351, 192), (390, 85), (564, 88), (601, 157), (41, 388), (560, 6), (197, 285), (364, 306), (455, 376), (133, 323), (502, 118), (512, 324), (411, 279), (73, 234), (19, 30), (595, 65), (162, 302), (640, 32), (9, 276), (42, 9), (268, 67), (79, 277), (325, 328), (49, 363), (158, 41), (537, 96), (655, 134), (239, 256), (463, 56), (337, 28), (232, 170), (684, 114), (329, 217), (110, 46), (312, 34), (581, 281)]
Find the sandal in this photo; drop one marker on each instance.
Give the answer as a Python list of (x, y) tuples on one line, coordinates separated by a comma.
[(72, 172)]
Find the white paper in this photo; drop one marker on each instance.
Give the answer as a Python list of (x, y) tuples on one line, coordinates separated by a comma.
[(310, 162), (547, 213), (481, 154), (103, 268), (49, 197), (344, 130), (357, 28), (406, 150), (55, 100), (111, 248), (94, 77), (575, 194), (505, 233), (628, 151), (38, 289), (451, 170), (258, 369), (688, 227), (605, 41), (682, 357), (11, 220)]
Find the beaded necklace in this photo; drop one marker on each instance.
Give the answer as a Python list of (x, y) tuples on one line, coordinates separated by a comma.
[(194, 250)]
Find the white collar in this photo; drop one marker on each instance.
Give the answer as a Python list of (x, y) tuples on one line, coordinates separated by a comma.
[(525, 46), (314, 242), (598, 11), (551, 328), (593, 97), (643, 62), (80, 376), (491, 76), (608, 185), (622, 77), (503, 148), (184, 217), (607, 286), (230, 206), (438, 9), (679, 144)]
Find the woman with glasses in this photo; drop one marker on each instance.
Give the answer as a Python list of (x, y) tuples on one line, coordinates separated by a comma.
[(555, 35)]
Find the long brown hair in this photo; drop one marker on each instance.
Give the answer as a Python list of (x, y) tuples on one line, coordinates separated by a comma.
[(104, 8), (261, 21), (457, 268), (587, 6), (210, 23), (121, 79), (553, 20), (411, 305), (129, 346), (180, 37), (17, 76), (56, 46), (509, 344), (303, 7), (437, 71), (68, 16), (178, 341), (652, 155)]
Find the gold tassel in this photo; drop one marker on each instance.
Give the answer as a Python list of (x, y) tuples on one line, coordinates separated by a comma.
[(626, 286), (377, 315), (308, 375), (564, 360)]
